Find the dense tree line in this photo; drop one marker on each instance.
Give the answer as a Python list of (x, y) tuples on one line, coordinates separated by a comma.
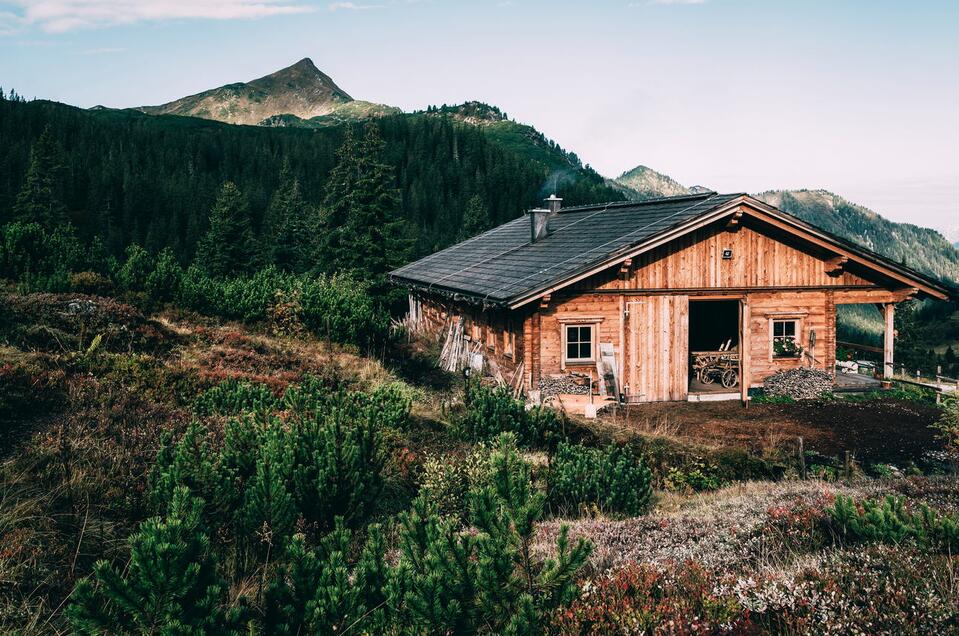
[(126, 177)]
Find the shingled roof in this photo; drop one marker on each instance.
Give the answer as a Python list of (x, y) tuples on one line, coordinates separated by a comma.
[(504, 267)]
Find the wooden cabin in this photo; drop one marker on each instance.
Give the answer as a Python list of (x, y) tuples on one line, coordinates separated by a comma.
[(690, 297)]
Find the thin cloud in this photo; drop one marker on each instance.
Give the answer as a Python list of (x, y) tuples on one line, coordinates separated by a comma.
[(665, 2), (352, 6), (60, 16), (106, 50)]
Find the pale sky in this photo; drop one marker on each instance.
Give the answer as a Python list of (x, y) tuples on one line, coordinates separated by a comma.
[(858, 97)]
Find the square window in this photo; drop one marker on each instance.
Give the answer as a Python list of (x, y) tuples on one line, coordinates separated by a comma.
[(785, 342), (579, 343)]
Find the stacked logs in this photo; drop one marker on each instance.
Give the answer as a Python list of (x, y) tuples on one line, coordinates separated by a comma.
[(799, 384)]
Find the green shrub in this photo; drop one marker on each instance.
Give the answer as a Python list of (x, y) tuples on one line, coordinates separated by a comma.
[(164, 282), (448, 481), (490, 412), (322, 592), (948, 427), (612, 479), (888, 521), (233, 397), (449, 581), (763, 398), (133, 274), (697, 476), (170, 585), (268, 473)]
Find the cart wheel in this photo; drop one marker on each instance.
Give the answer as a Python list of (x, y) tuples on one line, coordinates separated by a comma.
[(730, 378), (708, 377)]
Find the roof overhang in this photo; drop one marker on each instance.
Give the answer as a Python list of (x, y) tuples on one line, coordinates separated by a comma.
[(763, 212)]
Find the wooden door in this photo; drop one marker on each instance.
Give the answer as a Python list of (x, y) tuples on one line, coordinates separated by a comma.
[(658, 366)]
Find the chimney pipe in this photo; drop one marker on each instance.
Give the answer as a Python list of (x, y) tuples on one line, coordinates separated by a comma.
[(538, 224), (539, 217), (553, 204)]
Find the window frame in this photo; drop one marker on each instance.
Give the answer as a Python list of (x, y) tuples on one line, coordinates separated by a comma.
[(796, 337), (592, 326)]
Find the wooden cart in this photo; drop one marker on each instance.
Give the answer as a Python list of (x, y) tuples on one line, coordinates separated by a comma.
[(713, 366)]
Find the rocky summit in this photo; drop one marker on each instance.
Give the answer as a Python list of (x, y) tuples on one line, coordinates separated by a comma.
[(301, 90)]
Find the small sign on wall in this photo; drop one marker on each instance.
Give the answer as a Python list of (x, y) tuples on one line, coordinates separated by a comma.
[(727, 254)]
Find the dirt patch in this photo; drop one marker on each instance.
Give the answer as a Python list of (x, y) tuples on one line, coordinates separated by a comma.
[(887, 431)]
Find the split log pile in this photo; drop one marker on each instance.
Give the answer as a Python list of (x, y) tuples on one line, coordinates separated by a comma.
[(454, 350), (570, 384), (799, 384)]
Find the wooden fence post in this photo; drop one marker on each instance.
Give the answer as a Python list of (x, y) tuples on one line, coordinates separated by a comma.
[(847, 465), (802, 461)]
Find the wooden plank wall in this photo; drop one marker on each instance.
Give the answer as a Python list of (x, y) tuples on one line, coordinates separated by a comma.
[(657, 366), (695, 262), (809, 308), (605, 311), (437, 312)]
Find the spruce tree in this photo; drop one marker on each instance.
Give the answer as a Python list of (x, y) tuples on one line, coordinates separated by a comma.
[(364, 202), (341, 191), (228, 248), (475, 219), (39, 199), (170, 585), (290, 226)]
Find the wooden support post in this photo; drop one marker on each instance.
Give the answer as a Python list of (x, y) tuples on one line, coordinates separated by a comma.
[(802, 460), (889, 312), (744, 349), (847, 465)]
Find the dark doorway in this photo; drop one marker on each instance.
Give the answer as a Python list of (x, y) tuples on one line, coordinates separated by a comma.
[(713, 346)]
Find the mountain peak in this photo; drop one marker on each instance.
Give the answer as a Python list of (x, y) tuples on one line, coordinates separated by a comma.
[(301, 89), (646, 182)]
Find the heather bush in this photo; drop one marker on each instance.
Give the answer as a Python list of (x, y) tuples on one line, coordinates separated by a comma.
[(641, 599), (872, 590), (612, 479), (490, 412)]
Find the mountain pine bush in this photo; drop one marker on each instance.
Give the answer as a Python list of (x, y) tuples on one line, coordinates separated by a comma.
[(613, 479), (233, 397), (325, 462), (448, 581), (888, 521), (320, 591), (170, 585), (492, 411)]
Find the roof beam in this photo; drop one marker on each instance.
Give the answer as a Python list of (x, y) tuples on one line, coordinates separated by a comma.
[(830, 245)]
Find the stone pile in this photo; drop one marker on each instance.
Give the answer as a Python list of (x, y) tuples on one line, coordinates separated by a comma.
[(799, 384)]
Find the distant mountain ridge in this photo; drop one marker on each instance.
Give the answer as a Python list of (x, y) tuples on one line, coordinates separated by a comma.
[(297, 92), (302, 96), (923, 249)]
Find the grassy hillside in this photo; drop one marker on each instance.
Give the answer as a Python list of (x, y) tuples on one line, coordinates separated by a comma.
[(115, 419)]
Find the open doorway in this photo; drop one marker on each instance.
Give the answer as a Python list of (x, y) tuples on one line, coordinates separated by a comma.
[(714, 346)]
